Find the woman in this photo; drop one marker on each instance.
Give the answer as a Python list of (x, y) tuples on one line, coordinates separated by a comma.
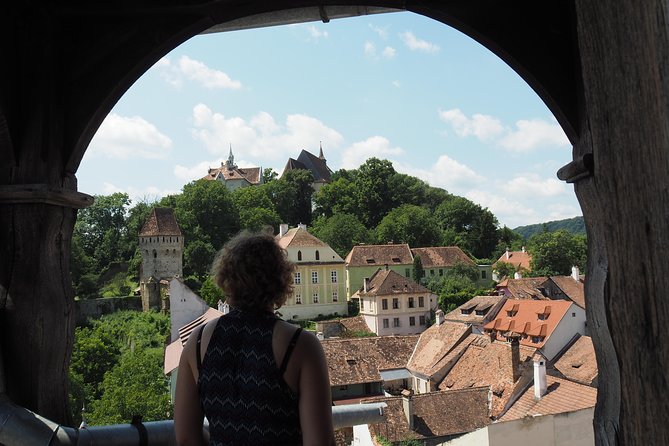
[(259, 380)]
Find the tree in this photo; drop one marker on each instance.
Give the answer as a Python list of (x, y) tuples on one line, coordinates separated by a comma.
[(373, 189), (418, 271), (409, 224), (269, 175), (341, 232), (338, 197), (470, 226), (211, 293), (300, 180), (255, 207), (457, 286), (198, 256), (554, 253)]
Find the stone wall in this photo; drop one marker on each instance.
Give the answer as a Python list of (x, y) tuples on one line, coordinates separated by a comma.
[(94, 308)]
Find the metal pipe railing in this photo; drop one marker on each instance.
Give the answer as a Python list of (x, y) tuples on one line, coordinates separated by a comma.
[(22, 427)]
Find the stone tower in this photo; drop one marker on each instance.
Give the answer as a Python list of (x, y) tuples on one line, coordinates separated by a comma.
[(161, 243)]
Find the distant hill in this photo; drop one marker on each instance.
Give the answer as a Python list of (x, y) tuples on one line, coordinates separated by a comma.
[(574, 225)]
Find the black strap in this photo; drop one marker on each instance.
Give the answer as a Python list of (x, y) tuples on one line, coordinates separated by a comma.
[(289, 350), (197, 349), (141, 430)]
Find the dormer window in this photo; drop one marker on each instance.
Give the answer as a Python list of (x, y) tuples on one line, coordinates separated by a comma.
[(396, 259), (299, 255), (369, 260), (351, 361)]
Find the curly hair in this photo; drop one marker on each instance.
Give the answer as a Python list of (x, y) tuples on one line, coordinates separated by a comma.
[(253, 271)]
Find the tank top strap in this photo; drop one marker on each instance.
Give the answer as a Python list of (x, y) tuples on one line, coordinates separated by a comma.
[(289, 350), (198, 355)]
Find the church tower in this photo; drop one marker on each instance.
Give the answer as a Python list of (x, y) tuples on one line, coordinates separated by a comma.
[(161, 243)]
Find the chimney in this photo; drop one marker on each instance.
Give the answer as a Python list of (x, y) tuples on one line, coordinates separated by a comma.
[(320, 336), (407, 405), (223, 307), (283, 229), (539, 378), (439, 317), (507, 254), (517, 275), (386, 265), (302, 226), (522, 249), (365, 285), (515, 356), (575, 273), (493, 335)]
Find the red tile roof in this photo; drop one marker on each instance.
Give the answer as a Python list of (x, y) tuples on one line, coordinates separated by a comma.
[(161, 221), (561, 396), (358, 360), (434, 345), (486, 363), (529, 318), (250, 174), (355, 324), (579, 362), (573, 289), (516, 258), (299, 238), (476, 310), (525, 288), (436, 414), (379, 255), (384, 282), (442, 256)]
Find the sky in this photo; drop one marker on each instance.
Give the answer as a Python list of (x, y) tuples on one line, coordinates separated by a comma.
[(396, 86)]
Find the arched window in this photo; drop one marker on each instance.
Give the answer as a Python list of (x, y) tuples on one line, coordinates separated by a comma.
[(155, 254), (318, 256), (299, 255)]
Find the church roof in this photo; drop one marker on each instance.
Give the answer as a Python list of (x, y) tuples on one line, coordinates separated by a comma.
[(308, 161), (161, 222)]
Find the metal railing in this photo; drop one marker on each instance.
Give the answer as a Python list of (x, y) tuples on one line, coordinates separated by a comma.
[(22, 427)]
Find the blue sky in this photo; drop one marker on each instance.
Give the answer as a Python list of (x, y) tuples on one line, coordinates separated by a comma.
[(397, 86)]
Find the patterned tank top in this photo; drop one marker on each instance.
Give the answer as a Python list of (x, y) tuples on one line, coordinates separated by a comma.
[(242, 390)]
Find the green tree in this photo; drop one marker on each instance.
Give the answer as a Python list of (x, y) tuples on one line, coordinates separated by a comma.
[(255, 207), (409, 224), (198, 256), (211, 293), (269, 175), (300, 181), (372, 185), (468, 225), (341, 232), (418, 271), (554, 253), (338, 197)]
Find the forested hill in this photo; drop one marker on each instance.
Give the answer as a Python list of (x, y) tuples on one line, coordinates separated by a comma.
[(574, 225)]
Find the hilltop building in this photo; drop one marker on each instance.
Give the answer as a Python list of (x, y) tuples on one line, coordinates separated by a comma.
[(319, 286), (317, 165), (161, 244), (233, 176)]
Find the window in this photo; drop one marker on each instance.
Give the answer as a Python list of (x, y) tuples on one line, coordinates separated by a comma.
[(318, 256), (407, 272), (537, 339), (385, 323), (155, 254), (335, 296), (315, 297), (333, 276), (384, 304), (432, 272), (396, 303), (421, 320), (298, 298), (573, 315), (396, 322), (343, 387), (314, 277), (299, 255), (423, 275), (412, 321), (483, 274), (411, 303), (298, 278), (421, 301), (441, 272)]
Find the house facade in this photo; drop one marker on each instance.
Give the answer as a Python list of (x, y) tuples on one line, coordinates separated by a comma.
[(392, 304), (364, 260), (437, 260), (319, 279)]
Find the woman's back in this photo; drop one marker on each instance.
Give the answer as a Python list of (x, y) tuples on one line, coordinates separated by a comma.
[(241, 387)]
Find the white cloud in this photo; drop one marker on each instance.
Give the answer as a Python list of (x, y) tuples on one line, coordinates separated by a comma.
[(484, 127), (196, 71), (124, 137), (188, 174), (382, 32), (508, 212), (316, 33), (533, 186), (533, 134), (149, 193), (260, 138), (446, 173), (559, 211), (370, 49), (374, 146), (416, 44), (527, 135), (388, 52)]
